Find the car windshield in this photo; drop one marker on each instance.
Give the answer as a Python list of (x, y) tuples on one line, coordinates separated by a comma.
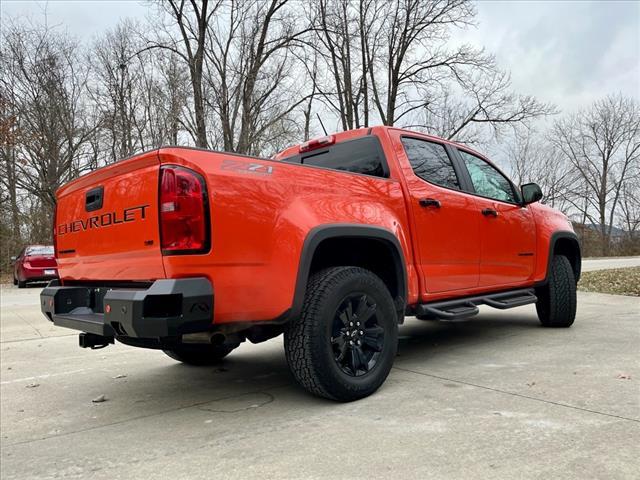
[(40, 250)]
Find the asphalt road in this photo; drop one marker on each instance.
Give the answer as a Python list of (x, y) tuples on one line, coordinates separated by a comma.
[(591, 264), (496, 397)]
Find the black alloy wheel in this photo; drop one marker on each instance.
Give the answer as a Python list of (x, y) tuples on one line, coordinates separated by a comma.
[(357, 338), (343, 344)]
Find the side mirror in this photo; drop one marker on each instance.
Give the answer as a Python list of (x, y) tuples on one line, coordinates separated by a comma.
[(531, 193), (13, 259)]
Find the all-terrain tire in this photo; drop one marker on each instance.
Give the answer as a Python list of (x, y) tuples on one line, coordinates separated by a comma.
[(200, 354), (309, 340), (557, 300)]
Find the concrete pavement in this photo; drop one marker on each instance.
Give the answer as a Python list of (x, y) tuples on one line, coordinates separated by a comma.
[(496, 397)]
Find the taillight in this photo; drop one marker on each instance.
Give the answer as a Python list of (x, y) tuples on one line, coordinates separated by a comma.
[(184, 212)]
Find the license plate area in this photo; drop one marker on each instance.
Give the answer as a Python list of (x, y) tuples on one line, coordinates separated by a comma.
[(49, 272)]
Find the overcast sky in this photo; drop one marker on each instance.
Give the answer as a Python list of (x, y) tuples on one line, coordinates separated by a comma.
[(569, 53)]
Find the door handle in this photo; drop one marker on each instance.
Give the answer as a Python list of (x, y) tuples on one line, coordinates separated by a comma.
[(489, 212), (429, 202)]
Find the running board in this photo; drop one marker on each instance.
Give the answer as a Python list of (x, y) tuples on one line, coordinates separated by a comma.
[(462, 308)]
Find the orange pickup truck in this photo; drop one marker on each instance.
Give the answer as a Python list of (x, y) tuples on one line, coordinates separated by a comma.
[(331, 242)]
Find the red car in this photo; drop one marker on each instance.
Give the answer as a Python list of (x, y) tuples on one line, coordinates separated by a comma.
[(36, 263)]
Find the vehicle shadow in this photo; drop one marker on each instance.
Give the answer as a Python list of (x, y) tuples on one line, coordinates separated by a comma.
[(418, 337), (148, 384), (256, 372)]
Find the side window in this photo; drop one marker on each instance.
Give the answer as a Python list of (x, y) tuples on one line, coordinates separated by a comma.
[(486, 180), (430, 162)]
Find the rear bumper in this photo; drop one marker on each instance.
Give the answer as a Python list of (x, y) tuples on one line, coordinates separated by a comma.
[(168, 308), (37, 273), (40, 278)]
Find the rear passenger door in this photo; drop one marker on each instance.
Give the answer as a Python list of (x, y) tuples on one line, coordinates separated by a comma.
[(507, 229), (445, 219)]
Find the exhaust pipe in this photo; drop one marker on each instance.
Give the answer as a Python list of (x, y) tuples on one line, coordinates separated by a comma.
[(213, 338)]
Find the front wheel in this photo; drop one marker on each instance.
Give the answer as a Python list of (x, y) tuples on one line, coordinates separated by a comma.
[(343, 345), (200, 354), (557, 299)]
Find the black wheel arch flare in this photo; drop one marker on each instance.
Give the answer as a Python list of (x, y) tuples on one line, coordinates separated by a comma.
[(565, 243), (349, 231)]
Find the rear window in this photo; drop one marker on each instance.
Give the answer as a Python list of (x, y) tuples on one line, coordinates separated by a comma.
[(362, 155), (39, 250)]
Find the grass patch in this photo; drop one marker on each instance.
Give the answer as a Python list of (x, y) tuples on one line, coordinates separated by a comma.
[(618, 281)]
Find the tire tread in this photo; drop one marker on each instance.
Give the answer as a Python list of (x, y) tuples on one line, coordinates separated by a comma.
[(302, 335), (557, 301)]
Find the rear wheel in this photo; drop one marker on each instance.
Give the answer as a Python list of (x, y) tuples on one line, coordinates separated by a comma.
[(22, 283), (343, 345), (557, 300), (200, 354)]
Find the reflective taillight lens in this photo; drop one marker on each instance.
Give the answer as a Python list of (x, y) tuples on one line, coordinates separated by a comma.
[(184, 211)]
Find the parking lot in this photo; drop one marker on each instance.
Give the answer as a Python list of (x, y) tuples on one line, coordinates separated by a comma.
[(495, 397)]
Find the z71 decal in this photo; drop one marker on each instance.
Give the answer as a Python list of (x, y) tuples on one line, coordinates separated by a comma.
[(247, 167)]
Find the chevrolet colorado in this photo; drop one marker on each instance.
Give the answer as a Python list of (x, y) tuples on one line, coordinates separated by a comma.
[(331, 242)]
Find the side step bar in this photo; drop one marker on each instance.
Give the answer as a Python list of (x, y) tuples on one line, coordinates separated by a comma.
[(462, 308)]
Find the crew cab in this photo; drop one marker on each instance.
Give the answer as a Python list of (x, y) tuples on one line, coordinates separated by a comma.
[(331, 242)]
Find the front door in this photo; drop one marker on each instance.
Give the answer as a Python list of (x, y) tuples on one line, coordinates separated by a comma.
[(446, 223), (507, 229)]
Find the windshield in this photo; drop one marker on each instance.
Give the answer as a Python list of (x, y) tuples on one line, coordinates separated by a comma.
[(40, 250)]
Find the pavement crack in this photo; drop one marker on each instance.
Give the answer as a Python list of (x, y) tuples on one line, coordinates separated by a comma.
[(252, 400), (140, 417), (28, 323), (528, 397)]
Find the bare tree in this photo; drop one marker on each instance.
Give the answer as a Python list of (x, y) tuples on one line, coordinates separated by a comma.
[(141, 93), (118, 89), (486, 99), (250, 73), (602, 143), (532, 158), (630, 207), (44, 77), (413, 55), (9, 140), (343, 29), (392, 60), (192, 19)]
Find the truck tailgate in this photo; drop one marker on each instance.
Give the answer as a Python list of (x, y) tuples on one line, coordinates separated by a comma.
[(106, 225)]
